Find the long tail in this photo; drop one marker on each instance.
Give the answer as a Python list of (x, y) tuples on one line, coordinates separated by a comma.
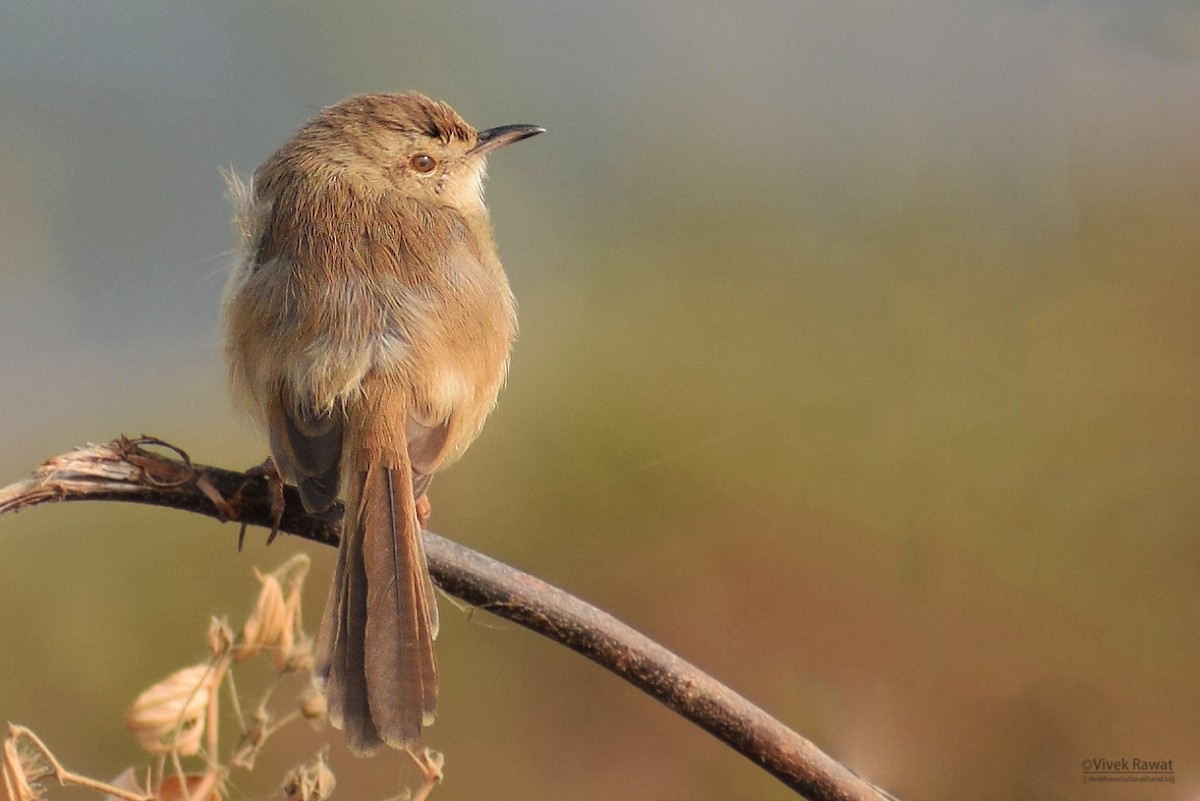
[(375, 650)]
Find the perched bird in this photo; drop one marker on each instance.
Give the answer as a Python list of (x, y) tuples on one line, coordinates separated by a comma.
[(367, 328)]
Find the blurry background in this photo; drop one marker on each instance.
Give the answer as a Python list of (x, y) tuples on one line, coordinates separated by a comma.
[(858, 364)]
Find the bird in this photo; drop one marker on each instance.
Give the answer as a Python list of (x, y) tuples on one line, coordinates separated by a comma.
[(368, 326)]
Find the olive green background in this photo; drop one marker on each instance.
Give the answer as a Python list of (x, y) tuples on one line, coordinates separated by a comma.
[(858, 365)]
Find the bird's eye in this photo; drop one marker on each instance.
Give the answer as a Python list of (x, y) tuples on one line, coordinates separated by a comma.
[(422, 163)]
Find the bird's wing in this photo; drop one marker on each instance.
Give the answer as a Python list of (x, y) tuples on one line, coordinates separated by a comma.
[(307, 449)]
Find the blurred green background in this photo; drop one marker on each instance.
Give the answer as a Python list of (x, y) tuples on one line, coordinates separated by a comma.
[(858, 364)]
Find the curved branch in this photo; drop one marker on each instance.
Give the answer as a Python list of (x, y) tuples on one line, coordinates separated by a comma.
[(124, 470)]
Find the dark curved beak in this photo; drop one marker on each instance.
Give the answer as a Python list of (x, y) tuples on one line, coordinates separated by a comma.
[(493, 138)]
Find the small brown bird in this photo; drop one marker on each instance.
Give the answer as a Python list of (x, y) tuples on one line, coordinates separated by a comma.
[(368, 327)]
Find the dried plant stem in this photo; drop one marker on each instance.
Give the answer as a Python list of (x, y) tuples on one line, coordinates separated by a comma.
[(13, 765), (125, 470)]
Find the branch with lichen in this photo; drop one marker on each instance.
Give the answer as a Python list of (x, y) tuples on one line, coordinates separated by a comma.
[(128, 470)]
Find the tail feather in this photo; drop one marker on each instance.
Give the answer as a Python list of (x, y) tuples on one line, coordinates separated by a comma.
[(332, 633), (400, 670), (375, 651), (340, 653), (427, 602)]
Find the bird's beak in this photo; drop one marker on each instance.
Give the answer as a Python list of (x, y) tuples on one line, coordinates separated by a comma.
[(493, 138)]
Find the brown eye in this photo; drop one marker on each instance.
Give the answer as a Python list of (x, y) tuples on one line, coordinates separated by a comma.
[(422, 163)]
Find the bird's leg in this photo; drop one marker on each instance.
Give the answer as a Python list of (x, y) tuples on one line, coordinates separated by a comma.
[(424, 510), (270, 472)]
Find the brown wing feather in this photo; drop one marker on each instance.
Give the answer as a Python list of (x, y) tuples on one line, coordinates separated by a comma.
[(307, 448)]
